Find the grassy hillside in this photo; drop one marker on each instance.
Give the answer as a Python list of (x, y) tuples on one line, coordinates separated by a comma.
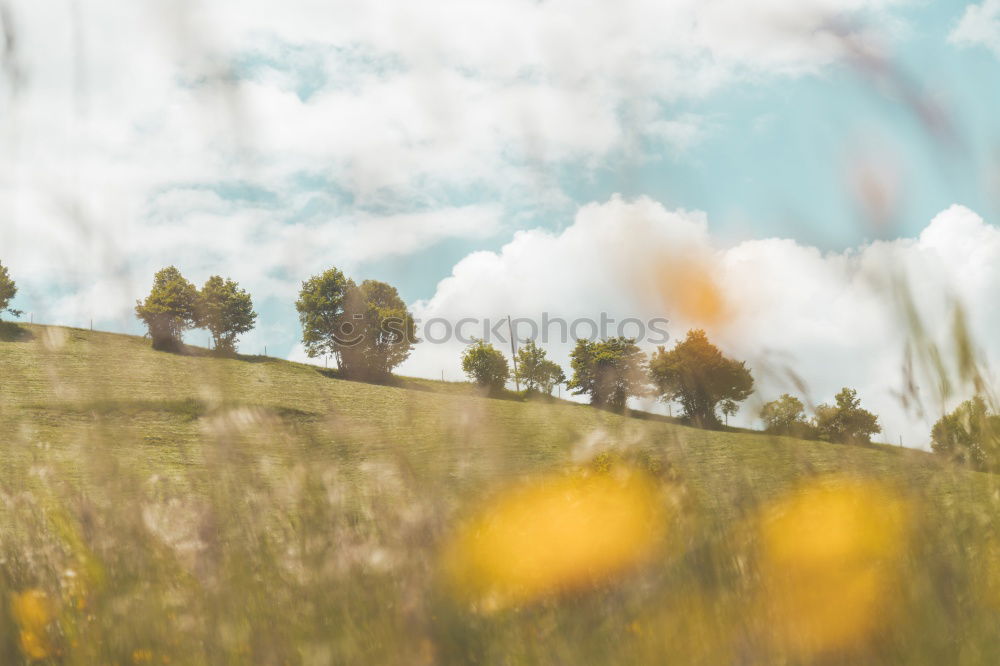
[(194, 510)]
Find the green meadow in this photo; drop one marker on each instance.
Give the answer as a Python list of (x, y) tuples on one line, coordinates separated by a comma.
[(189, 509)]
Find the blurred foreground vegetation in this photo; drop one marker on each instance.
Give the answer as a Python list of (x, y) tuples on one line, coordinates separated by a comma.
[(184, 509)]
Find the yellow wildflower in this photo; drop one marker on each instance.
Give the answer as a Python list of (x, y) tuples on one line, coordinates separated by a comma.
[(557, 533), (830, 554)]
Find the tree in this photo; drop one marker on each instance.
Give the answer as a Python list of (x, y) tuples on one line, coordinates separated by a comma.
[(387, 329), (327, 329), (610, 371), (698, 376), (969, 435), (846, 422), (786, 416), (366, 328), (170, 309), (551, 376), (8, 290), (535, 371), (728, 408), (226, 311), (486, 366)]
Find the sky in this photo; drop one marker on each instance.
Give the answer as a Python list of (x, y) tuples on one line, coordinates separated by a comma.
[(797, 160)]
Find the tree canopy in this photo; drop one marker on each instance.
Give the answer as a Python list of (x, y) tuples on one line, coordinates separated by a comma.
[(170, 308), (534, 371), (386, 328), (8, 290), (729, 408), (322, 306), (367, 328), (969, 435), (485, 365), (846, 421), (698, 376), (226, 311), (551, 376), (786, 416), (609, 371)]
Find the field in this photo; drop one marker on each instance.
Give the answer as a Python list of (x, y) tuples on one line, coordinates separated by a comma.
[(187, 509)]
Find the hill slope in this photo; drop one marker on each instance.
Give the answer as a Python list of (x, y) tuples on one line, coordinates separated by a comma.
[(260, 511), (62, 378)]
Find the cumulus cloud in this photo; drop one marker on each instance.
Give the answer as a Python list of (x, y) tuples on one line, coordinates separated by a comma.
[(831, 318), (979, 26), (132, 131)]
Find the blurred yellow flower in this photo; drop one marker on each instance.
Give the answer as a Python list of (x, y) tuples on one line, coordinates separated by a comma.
[(830, 554), (555, 534), (33, 646), (33, 611), (690, 289)]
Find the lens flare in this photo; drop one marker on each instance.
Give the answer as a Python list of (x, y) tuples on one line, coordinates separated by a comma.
[(556, 534)]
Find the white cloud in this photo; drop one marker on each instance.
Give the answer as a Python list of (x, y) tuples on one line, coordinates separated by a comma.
[(123, 109), (681, 133), (832, 318), (125, 98), (979, 26), (78, 272)]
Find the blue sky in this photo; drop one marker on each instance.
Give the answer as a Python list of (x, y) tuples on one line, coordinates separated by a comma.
[(434, 145), (771, 156)]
